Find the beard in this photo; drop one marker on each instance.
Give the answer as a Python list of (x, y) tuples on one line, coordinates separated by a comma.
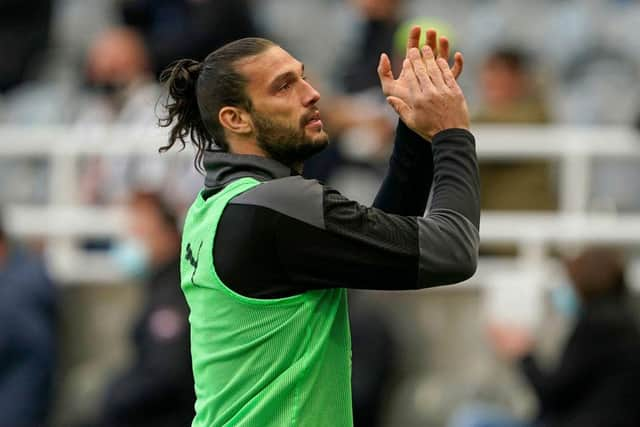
[(286, 144)]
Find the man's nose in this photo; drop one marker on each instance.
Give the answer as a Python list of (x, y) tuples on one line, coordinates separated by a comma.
[(310, 95)]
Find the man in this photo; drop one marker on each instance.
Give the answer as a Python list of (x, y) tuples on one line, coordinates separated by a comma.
[(595, 380), (267, 255), (157, 388)]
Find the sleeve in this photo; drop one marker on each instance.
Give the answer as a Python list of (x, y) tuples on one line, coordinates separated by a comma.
[(299, 235), (407, 184)]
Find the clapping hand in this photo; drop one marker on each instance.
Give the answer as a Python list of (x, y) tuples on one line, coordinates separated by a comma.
[(400, 87), (433, 102), (426, 95)]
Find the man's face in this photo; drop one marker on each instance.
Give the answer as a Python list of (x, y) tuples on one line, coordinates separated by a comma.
[(502, 84), (285, 116)]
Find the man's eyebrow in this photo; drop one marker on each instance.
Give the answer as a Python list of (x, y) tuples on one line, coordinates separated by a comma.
[(281, 78)]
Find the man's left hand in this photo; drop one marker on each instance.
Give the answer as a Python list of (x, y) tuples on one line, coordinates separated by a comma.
[(399, 87)]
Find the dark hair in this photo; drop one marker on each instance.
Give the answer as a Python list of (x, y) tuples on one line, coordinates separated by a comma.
[(198, 90), (513, 58), (598, 272), (161, 207)]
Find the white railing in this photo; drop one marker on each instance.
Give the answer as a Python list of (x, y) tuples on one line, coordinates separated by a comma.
[(64, 220)]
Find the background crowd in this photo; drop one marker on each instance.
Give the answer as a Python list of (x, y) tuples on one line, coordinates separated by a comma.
[(112, 355)]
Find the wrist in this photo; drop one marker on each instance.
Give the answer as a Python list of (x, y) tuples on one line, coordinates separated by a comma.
[(464, 127), (452, 133)]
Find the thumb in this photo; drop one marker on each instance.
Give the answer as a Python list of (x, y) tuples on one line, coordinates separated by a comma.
[(400, 107), (384, 68), (458, 65)]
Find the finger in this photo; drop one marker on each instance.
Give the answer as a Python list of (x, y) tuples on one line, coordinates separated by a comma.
[(432, 35), (419, 69), (385, 74), (410, 75), (384, 68), (432, 68), (447, 75), (443, 49), (414, 38), (399, 106), (458, 65)]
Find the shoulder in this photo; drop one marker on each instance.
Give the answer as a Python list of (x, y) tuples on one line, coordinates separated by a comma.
[(293, 196)]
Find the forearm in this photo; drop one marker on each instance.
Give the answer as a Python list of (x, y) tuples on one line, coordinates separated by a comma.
[(456, 177), (449, 234), (405, 189)]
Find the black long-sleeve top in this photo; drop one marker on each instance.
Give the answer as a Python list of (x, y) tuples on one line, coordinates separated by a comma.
[(289, 234)]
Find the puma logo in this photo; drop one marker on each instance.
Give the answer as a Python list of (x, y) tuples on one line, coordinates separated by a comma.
[(192, 260)]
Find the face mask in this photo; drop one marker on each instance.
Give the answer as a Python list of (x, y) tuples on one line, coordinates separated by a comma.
[(565, 300), (132, 258)]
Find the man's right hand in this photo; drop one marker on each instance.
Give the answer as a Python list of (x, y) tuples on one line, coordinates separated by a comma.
[(433, 102)]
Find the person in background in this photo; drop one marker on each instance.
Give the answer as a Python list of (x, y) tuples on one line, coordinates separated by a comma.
[(157, 389), (174, 29), (122, 91), (373, 356), (359, 119), (118, 71), (24, 37), (379, 22), (508, 90), (509, 95), (27, 337), (595, 381)]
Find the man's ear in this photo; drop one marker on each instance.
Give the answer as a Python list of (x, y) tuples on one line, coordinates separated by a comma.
[(235, 120)]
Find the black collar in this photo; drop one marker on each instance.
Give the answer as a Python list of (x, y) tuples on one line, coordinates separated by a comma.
[(222, 167)]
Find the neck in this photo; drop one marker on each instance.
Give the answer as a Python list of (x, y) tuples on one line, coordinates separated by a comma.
[(251, 147)]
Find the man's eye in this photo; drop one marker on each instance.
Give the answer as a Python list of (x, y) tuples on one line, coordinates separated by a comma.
[(285, 86)]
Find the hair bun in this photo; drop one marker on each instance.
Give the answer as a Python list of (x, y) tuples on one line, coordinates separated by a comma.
[(181, 78)]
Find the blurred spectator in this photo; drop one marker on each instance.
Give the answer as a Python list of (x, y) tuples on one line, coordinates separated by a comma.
[(380, 19), (157, 389), (119, 73), (508, 90), (175, 29), (373, 354), (24, 36), (359, 121), (596, 379), (27, 338), (123, 92), (509, 95)]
